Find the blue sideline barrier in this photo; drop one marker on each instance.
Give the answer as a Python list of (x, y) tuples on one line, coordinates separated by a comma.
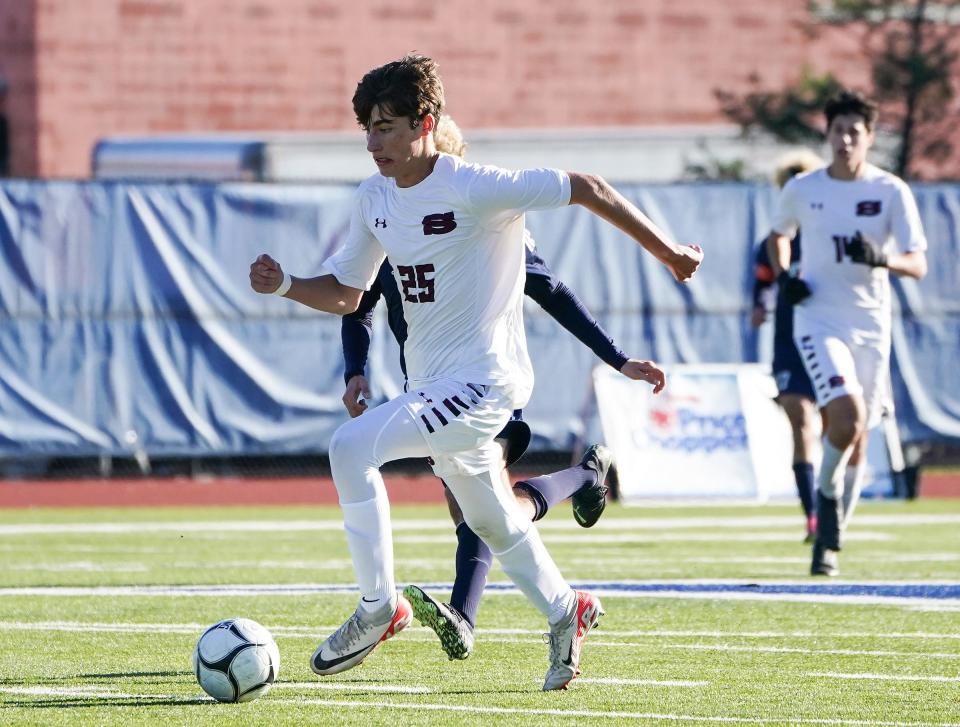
[(125, 308)]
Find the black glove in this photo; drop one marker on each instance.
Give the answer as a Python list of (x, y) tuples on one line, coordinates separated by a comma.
[(865, 252), (794, 289)]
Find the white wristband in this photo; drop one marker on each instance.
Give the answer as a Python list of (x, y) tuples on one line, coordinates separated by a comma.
[(284, 285)]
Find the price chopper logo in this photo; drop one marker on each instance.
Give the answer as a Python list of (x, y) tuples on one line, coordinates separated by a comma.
[(678, 423)]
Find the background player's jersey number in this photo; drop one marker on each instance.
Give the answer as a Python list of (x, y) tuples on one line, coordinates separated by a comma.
[(841, 244), (417, 282)]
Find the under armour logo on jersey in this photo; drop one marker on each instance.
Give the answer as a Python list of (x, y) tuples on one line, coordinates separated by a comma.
[(380, 222), (439, 224), (869, 208), (816, 205)]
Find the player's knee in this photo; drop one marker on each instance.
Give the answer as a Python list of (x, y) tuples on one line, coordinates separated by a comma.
[(794, 411), (348, 448), (497, 530), (846, 420)]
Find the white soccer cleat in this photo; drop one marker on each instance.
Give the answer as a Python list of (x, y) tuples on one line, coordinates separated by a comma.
[(566, 641), (350, 644)]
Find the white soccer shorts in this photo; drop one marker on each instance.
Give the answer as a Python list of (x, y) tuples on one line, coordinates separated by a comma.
[(844, 361), (459, 422)]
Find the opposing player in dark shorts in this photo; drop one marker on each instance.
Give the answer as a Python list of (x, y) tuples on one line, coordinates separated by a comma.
[(583, 483), (795, 391)]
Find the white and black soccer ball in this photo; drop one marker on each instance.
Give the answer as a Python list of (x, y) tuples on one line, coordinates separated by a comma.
[(236, 660)]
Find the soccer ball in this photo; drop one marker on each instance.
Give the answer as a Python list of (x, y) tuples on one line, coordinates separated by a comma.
[(236, 660)]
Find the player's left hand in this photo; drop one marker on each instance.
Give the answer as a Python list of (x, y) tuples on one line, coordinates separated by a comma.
[(865, 252), (645, 371), (356, 395), (685, 262)]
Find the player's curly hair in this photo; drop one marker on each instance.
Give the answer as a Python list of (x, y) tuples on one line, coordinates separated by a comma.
[(409, 87), (851, 102), (447, 137), (794, 163)]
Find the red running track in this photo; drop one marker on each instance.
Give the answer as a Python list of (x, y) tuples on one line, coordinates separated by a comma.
[(186, 492), (279, 491)]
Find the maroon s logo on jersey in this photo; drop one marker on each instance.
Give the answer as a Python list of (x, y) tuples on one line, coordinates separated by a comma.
[(439, 224), (868, 208)]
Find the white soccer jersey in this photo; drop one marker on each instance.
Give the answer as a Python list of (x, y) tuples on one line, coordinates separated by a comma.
[(456, 244), (829, 212)]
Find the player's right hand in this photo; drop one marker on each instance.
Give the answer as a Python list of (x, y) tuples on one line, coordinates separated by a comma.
[(354, 397), (686, 260), (757, 316), (265, 274), (795, 290)]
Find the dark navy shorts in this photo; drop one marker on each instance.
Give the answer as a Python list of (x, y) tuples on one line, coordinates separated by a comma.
[(789, 372), (517, 434)]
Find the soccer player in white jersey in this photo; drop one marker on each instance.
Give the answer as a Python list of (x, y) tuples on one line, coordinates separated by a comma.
[(859, 223), (454, 233)]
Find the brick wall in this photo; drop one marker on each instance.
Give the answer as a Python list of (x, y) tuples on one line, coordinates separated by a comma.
[(18, 68), (130, 66)]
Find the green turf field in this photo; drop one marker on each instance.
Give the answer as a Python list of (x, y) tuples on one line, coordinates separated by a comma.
[(98, 620)]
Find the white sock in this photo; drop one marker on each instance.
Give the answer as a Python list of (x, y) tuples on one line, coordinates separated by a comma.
[(370, 538), (852, 484), (832, 468), (530, 567)]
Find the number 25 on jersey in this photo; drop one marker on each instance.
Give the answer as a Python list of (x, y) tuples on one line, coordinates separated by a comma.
[(417, 282)]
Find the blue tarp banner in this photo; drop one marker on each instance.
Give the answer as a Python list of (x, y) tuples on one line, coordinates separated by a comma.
[(126, 314)]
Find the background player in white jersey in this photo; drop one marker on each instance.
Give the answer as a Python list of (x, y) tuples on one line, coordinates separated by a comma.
[(859, 223), (454, 233)]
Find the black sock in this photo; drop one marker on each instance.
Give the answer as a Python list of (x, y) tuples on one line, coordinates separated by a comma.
[(548, 490), (806, 488), (828, 522), (473, 564)]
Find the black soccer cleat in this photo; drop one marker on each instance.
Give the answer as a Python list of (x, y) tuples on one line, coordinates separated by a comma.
[(825, 562), (454, 631), (591, 499)]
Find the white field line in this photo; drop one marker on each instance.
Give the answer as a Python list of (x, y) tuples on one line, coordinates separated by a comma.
[(940, 609), (311, 631), (85, 691), (353, 687), (646, 716), (615, 589), (787, 536), (338, 565), (883, 677), (421, 634), (775, 560), (463, 709), (80, 566), (440, 524), (641, 682), (914, 558), (55, 566), (794, 650)]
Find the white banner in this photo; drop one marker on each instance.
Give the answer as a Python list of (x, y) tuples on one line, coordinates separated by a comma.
[(715, 432)]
